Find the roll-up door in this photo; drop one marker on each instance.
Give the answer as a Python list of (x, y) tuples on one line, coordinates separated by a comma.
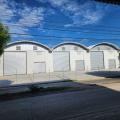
[(80, 66), (39, 67), (112, 63), (97, 60), (15, 63), (61, 61)]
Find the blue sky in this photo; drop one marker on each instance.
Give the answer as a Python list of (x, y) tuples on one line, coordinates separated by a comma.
[(84, 21)]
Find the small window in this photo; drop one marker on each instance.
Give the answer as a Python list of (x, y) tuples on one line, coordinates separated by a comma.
[(34, 47), (108, 48), (98, 48), (18, 47), (75, 48), (63, 48), (39, 53)]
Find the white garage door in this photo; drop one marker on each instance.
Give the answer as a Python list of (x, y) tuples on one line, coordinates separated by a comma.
[(97, 60), (39, 67), (14, 63), (80, 66), (61, 61), (112, 63)]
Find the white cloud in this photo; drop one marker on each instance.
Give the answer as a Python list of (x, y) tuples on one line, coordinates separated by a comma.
[(58, 2), (80, 14), (5, 11), (16, 29), (85, 13), (28, 16), (31, 16)]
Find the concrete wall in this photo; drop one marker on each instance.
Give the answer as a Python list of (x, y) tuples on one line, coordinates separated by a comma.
[(1, 65), (79, 54), (109, 53), (25, 47), (76, 53), (39, 55)]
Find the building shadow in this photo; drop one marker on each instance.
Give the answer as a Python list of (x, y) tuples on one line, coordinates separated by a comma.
[(106, 74), (90, 99), (5, 83)]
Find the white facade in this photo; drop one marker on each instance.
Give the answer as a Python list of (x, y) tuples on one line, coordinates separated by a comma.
[(110, 55), (77, 53), (34, 54), (27, 57)]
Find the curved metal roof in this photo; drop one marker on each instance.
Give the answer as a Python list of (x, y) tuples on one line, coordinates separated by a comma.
[(71, 43), (28, 42), (106, 43)]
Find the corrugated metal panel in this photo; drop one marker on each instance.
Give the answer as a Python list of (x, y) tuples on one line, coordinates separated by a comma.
[(61, 61), (97, 60), (14, 63), (80, 66), (112, 63), (39, 67)]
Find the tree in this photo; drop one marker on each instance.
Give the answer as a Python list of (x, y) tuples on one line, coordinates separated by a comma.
[(4, 37)]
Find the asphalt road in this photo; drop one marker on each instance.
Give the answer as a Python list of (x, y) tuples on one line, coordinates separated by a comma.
[(92, 104)]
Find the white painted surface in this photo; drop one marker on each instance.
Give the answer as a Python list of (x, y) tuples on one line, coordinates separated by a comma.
[(1, 65), (97, 60), (61, 61), (14, 63), (112, 63), (25, 47), (109, 53), (77, 52), (80, 65), (39, 67)]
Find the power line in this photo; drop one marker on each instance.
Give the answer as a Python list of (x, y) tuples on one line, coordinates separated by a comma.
[(73, 28), (51, 36), (93, 31), (58, 24)]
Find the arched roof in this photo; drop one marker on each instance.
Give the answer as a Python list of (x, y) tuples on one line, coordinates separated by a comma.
[(106, 43), (70, 43), (28, 42)]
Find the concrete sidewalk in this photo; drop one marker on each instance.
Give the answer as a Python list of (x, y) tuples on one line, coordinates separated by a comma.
[(83, 84), (57, 76), (11, 84)]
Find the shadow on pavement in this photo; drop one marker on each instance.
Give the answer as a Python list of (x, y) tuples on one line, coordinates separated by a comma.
[(81, 102), (19, 92), (4, 83), (106, 74)]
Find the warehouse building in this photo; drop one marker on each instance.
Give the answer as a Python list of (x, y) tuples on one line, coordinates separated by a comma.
[(25, 57), (104, 56), (70, 56), (28, 57)]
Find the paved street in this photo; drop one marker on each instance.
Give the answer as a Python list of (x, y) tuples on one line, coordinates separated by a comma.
[(100, 103)]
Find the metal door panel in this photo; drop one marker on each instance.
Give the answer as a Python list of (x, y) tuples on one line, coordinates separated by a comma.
[(39, 67), (97, 60), (80, 66), (14, 63), (112, 63), (61, 61)]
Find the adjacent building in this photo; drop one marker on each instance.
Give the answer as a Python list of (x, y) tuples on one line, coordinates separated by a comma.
[(25, 57), (104, 56), (70, 56)]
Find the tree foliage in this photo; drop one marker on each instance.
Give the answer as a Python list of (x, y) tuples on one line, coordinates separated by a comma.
[(4, 37)]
